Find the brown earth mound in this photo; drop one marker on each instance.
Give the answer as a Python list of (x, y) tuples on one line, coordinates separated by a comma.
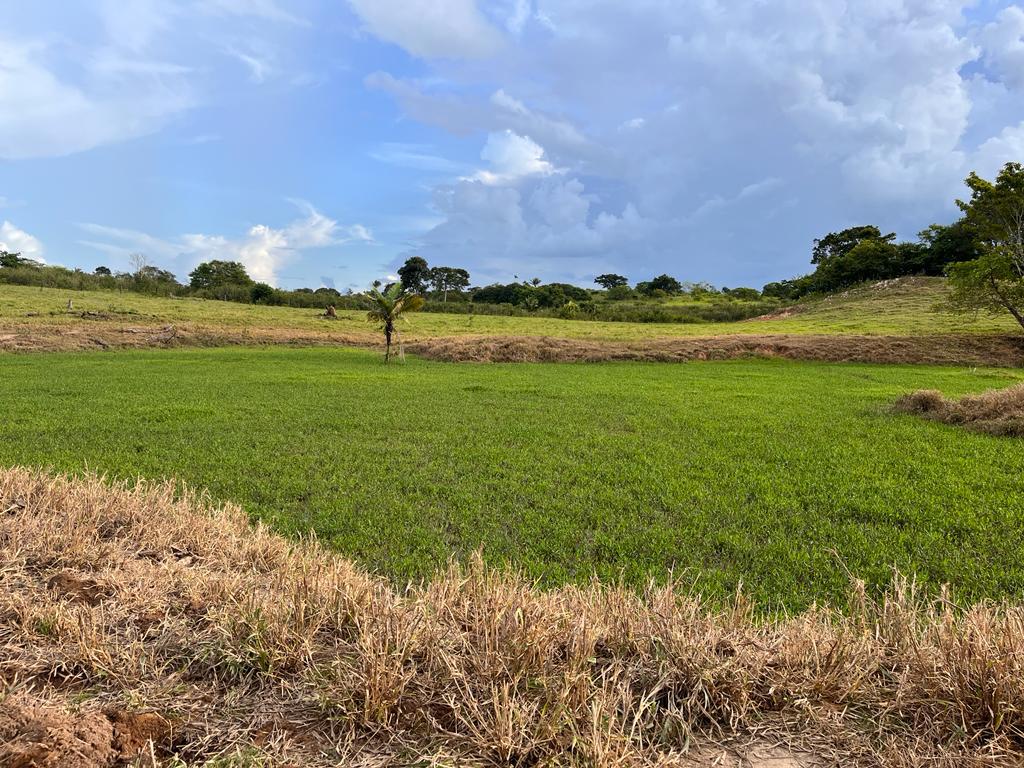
[(999, 350), (996, 412), (38, 735), (253, 645)]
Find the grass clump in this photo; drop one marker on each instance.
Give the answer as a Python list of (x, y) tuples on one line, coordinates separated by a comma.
[(996, 412)]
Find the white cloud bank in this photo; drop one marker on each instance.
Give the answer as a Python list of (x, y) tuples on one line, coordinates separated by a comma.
[(264, 250), (431, 28), (14, 240), (712, 143)]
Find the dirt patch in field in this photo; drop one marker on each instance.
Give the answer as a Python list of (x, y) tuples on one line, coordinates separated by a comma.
[(996, 412), (238, 641), (942, 349), (34, 734), (998, 350), (99, 335)]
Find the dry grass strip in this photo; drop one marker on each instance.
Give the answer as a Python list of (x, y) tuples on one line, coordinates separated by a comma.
[(141, 622), (996, 412), (945, 349)]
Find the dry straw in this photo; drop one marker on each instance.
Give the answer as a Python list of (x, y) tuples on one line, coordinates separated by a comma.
[(142, 622), (996, 412)]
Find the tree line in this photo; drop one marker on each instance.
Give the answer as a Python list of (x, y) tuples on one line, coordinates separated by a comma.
[(982, 254)]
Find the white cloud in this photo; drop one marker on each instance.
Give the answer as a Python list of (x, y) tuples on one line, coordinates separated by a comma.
[(431, 29), (512, 157), (1004, 148), (417, 156), (45, 115), (14, 240), (264, 9), (861, 112), (1003, 43), (263, 250)]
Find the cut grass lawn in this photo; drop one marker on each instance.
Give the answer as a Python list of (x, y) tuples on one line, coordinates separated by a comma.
[(905, 307), (776, 474)]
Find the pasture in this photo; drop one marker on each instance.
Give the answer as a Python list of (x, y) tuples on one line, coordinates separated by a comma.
[(778, 475), (912, 306)]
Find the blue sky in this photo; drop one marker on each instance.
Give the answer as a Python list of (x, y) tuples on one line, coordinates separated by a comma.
[(322, 142)]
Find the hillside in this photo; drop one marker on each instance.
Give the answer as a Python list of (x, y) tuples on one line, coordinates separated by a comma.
[(911, 306)]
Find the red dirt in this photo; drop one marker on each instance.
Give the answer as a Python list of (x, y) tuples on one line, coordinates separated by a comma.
[(34, 734)]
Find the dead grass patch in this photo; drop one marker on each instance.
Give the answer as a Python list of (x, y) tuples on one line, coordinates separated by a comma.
[(956, 349), (996, 412), (210, 638)]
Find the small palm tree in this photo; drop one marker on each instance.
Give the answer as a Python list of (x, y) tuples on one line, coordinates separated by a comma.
[(389, 305)]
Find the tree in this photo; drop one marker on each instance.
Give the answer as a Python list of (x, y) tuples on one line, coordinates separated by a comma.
[(138, 262), (10, 260), (446, 279), (837, 244), (995, 217), (390, 305), (945, 245), (619, 293), (261, 293), (611, 280), (665, 283), (415, 274), (214, 274), (156, 275)]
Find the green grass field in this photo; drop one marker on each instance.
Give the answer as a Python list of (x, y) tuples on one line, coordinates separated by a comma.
[(764, 472), (910, 307)]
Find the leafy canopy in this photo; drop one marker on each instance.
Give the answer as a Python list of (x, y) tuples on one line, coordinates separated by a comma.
[(994, 216)]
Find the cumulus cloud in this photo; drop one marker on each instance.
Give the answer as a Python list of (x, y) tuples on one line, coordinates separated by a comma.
[(431, 28), (712, 129), (512, 157), (127, 69), (264, 250), (14, 240), (1003, 44)]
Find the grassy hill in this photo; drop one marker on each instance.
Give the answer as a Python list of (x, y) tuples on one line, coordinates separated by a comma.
[(910, 306)]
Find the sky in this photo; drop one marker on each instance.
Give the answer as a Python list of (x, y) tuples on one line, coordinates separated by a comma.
[(323, 142)]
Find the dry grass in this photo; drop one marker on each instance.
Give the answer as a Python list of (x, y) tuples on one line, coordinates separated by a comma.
[(956, 349), (946, 349), (996, 412), (146, 621)]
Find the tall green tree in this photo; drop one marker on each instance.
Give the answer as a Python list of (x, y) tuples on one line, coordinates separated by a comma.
[(994, 215), (445, 279), (610, 280), (215, 274), (388, 307), (13, 260), (415, 274), (837, 244)]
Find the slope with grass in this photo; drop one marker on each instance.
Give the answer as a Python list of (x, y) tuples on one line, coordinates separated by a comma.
[(775, 474), (908, 307)]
